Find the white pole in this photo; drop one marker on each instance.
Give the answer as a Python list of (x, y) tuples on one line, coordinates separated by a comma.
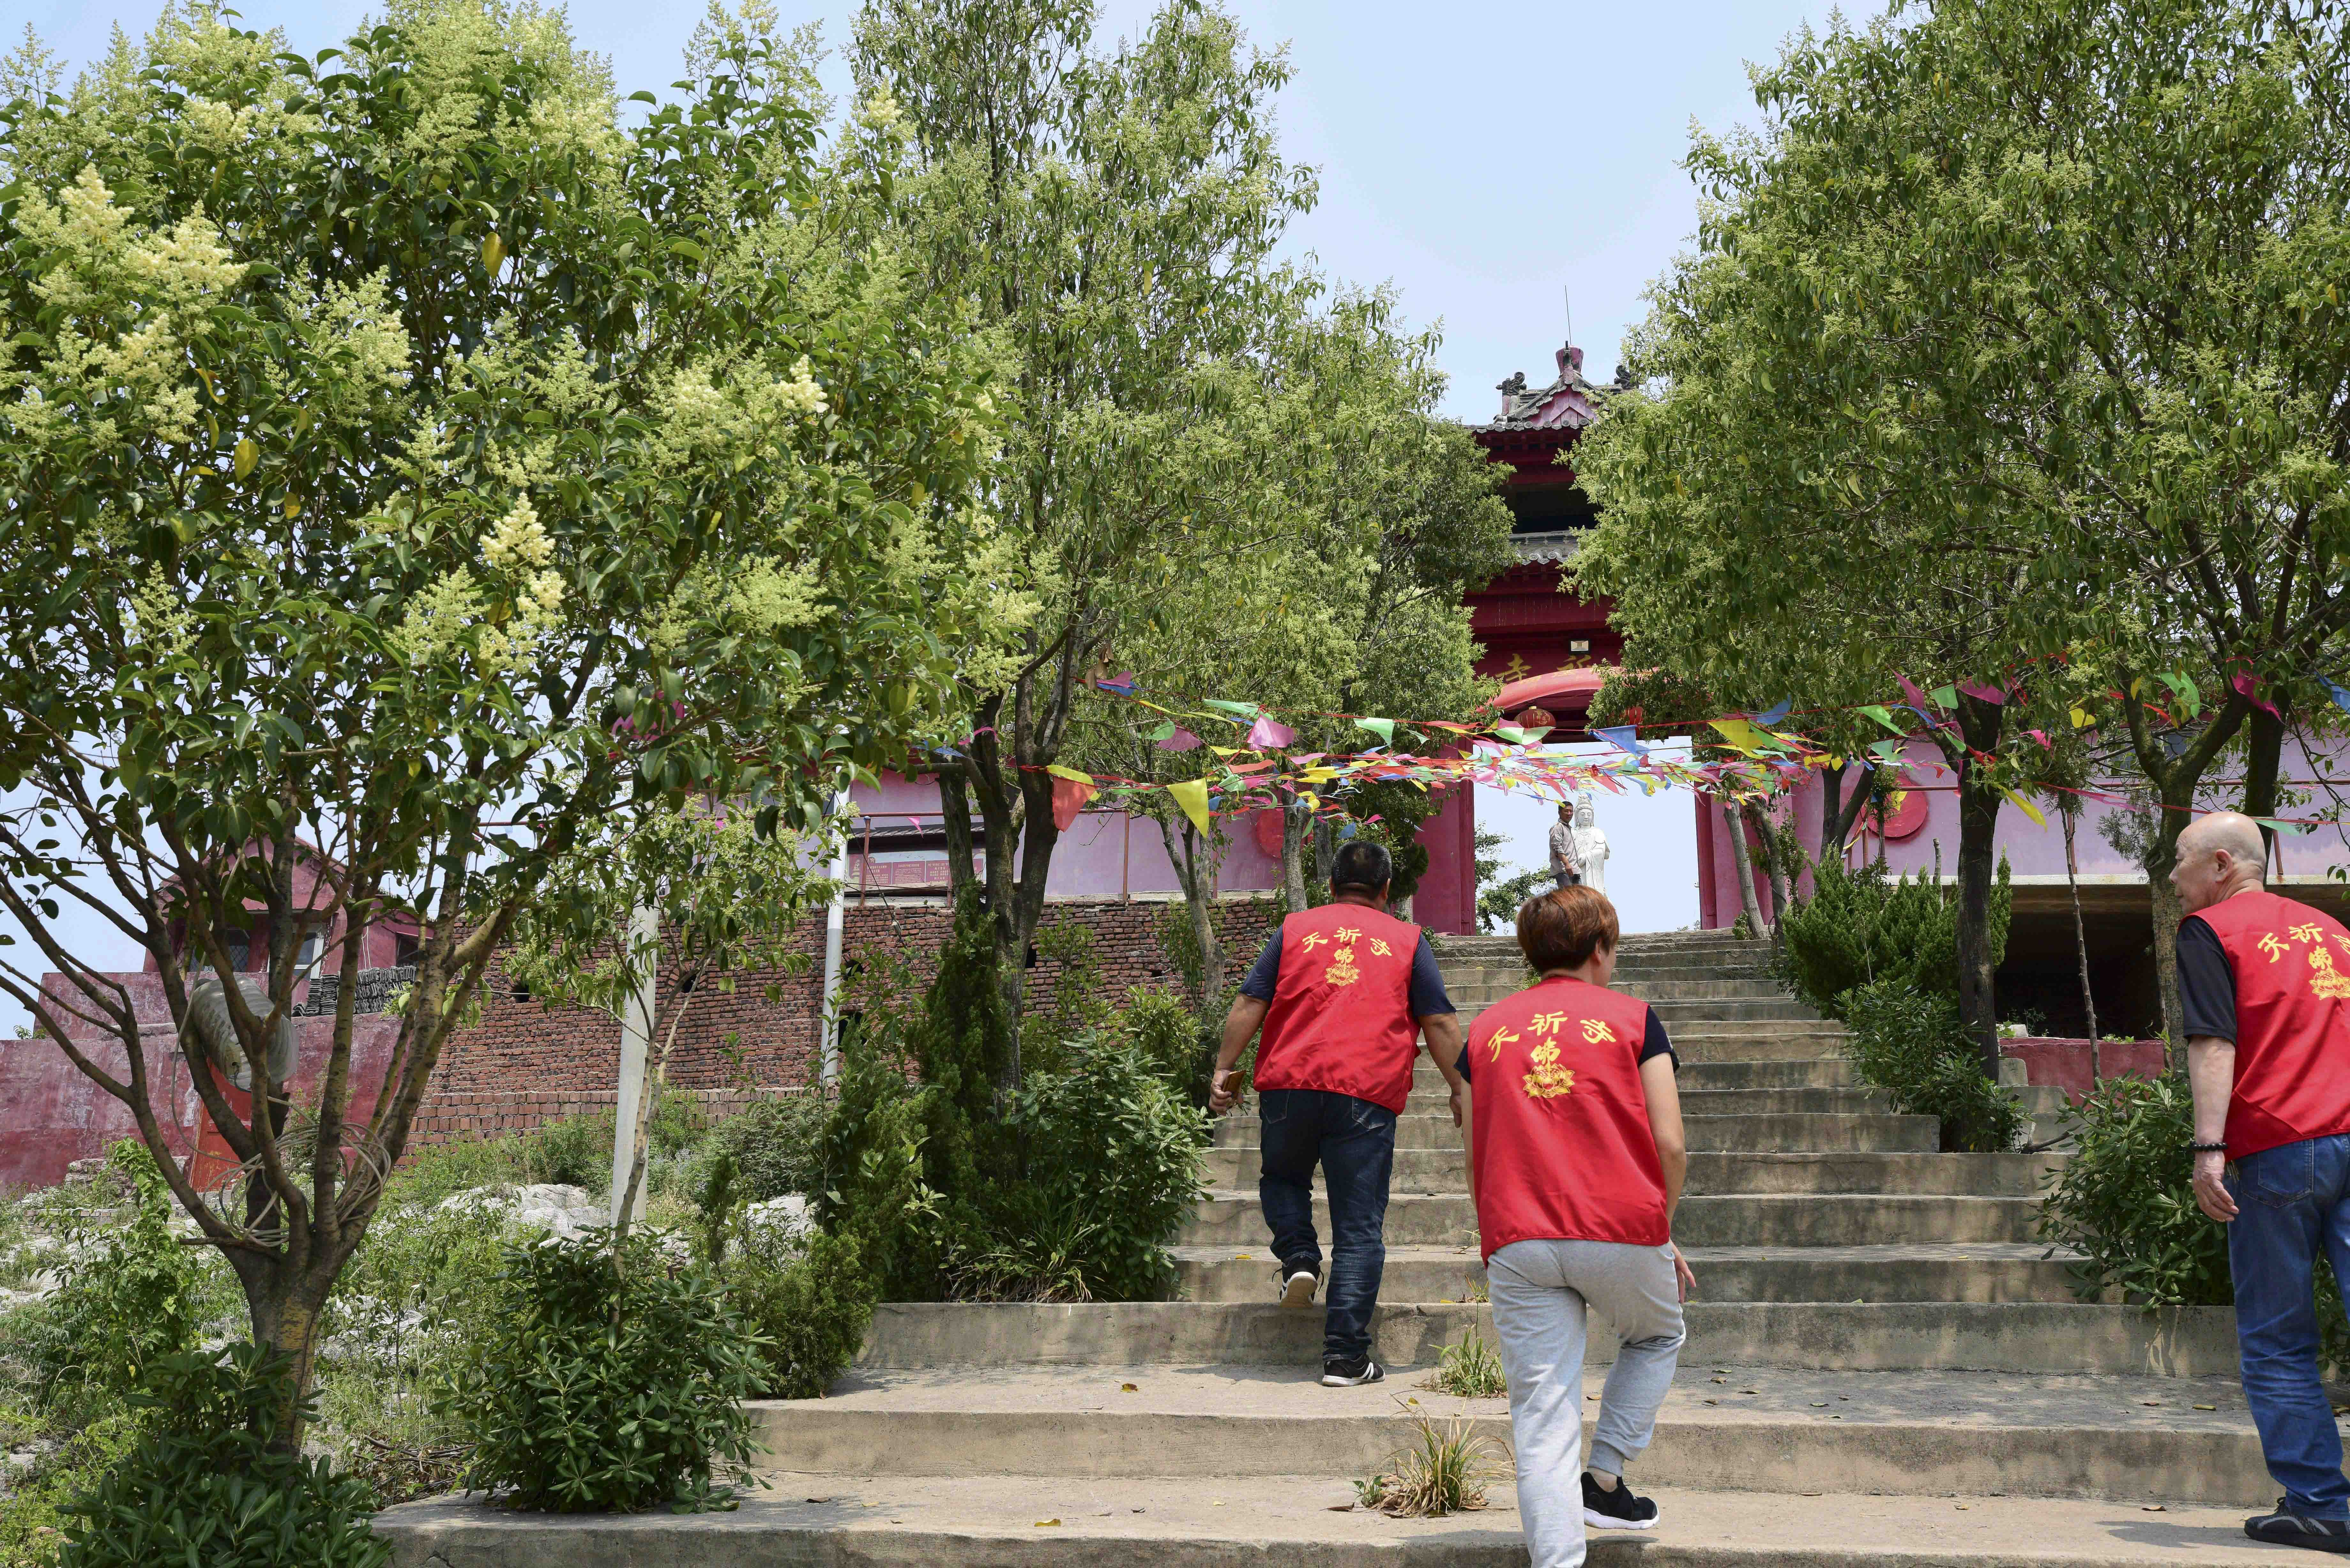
[(836, 921), (636, 1046)]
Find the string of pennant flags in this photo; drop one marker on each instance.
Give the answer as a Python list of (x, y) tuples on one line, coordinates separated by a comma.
[(1508, 756)]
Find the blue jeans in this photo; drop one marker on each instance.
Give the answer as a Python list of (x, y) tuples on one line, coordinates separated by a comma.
[(2291, 1200), (1355, 1142)]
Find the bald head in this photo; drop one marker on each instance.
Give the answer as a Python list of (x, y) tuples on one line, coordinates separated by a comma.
[(2220, 856)]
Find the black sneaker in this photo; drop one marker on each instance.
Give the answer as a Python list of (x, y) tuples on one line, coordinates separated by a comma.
[(1338, 1372), (1296, 1285), (1620, 1510), (2286, 1527)]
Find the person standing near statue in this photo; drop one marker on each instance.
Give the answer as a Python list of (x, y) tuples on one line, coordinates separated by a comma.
[(1562, 846), (2264, 984), (1343, 994), (1578, 849)]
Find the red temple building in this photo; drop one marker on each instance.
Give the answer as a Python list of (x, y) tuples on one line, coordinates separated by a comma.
[(1549, 647)]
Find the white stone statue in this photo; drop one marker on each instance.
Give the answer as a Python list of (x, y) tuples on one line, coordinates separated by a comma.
[(1590, 846)]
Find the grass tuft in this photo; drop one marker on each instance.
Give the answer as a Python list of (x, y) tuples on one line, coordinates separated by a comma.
[(1443, 1470), (1471, 1369)]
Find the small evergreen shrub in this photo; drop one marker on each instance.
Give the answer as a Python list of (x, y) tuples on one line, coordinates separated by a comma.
[(1912, 1046), (810, 1310), (206, 1483), (1179, 1047), (588, 1383), (1859, 928)]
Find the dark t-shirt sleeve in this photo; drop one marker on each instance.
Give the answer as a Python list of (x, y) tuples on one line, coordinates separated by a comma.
[(1427, 998), (1655, 1043), (1265, 974), (2207, 985)]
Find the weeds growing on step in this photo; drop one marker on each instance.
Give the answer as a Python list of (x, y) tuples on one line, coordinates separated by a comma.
[(1444, 1469), (1471, 1369)]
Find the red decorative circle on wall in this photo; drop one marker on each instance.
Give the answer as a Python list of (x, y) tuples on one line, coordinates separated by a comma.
[(1266, 823), (1905, 814)]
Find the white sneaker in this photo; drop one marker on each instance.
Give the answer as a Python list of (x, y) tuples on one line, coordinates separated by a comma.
[(1297, 1289)]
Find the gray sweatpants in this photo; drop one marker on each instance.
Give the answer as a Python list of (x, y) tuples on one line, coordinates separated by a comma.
[(1539, 1290)]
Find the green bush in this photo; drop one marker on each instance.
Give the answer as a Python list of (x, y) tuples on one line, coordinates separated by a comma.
[(1114, 1158), (588, 1383), (776, 1148), (131, 1294), (2125, 1200), (205, 1484), (1859, 928), (811, 1310), (1177, 1044), (1067, 1189), (1912, 1046), (68, 1464)]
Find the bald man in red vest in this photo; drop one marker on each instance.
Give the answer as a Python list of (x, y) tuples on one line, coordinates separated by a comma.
[(1344, 993), (2265, 986)]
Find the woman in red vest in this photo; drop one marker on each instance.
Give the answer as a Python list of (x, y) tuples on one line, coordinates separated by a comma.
[(1576, 1161)]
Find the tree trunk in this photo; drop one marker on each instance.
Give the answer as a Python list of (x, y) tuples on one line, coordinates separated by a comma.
[(1734, 820), (284, 1308), (2081, 936), (1297, 821), (1774, 858), (2162, 908), (1838, 810), (1979, 799), (1195, 872), (2263, 762)]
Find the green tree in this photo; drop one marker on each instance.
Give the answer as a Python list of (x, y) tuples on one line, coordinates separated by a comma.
[(1110, 216), (403, 472)]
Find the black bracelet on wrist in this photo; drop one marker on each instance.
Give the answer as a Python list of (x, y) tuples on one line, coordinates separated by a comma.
[(2207, 1147)]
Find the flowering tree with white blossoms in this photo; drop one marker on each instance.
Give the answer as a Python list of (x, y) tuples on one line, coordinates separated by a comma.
[(405, 473)]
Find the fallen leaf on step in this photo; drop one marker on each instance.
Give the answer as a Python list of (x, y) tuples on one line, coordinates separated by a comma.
[(2153, 1508), (1043, 1523), (1713, 1401), (1128, 1388), (2207, 1406), (1342, 1508), (1819, 1403), (2149, 1401), (1750, 1391), (1960, 1507)]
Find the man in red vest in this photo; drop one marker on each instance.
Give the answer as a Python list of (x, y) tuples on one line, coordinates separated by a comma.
[(1343, 992), (2265, 987)]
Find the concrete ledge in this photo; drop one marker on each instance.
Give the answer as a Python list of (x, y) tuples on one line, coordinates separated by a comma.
[(1282, 1521), (2020, 1338)]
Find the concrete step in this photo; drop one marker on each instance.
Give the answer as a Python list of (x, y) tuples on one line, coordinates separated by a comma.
[(1788, 1073), (1762, 1428), (2018, 1337), (1894, 1175), (1302, 1521), (1726, 1008), (1936, 1272), (1733, 1219), (1961, 1175), (1710, 1045), (1711, 1102), (1850, 1219), (1779, 1133), (1482, 990)]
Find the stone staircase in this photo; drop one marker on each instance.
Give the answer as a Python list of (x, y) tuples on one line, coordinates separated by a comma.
[(1883, 1365)]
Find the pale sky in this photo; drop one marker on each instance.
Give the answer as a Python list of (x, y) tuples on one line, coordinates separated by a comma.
[(1497, 163)]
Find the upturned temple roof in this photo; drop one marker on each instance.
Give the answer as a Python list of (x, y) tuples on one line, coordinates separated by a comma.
[(1567, 404)]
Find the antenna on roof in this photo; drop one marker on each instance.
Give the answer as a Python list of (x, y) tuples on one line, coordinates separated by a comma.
[(1566, 297)]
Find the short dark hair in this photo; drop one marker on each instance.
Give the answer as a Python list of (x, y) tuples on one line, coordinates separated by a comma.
[(1562, 930), (1362, 863)]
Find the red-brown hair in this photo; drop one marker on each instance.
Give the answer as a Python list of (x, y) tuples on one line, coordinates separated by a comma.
[(1562, 930)]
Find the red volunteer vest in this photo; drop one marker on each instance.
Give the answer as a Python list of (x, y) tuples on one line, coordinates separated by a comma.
[(1341, 1015), (1562, 1150), (2292, 965)]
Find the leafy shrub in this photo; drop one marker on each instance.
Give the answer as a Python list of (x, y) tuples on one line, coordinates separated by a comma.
[(589, 1382), (1178, 1046), (2125, 1200), (1859, 928), (206, 1483), (811, 1310), (131, 1295), (776, 1148), (1113, 1158), (1913, 1045)]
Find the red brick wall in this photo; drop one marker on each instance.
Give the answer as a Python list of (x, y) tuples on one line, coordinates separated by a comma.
[(525, 1064)]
